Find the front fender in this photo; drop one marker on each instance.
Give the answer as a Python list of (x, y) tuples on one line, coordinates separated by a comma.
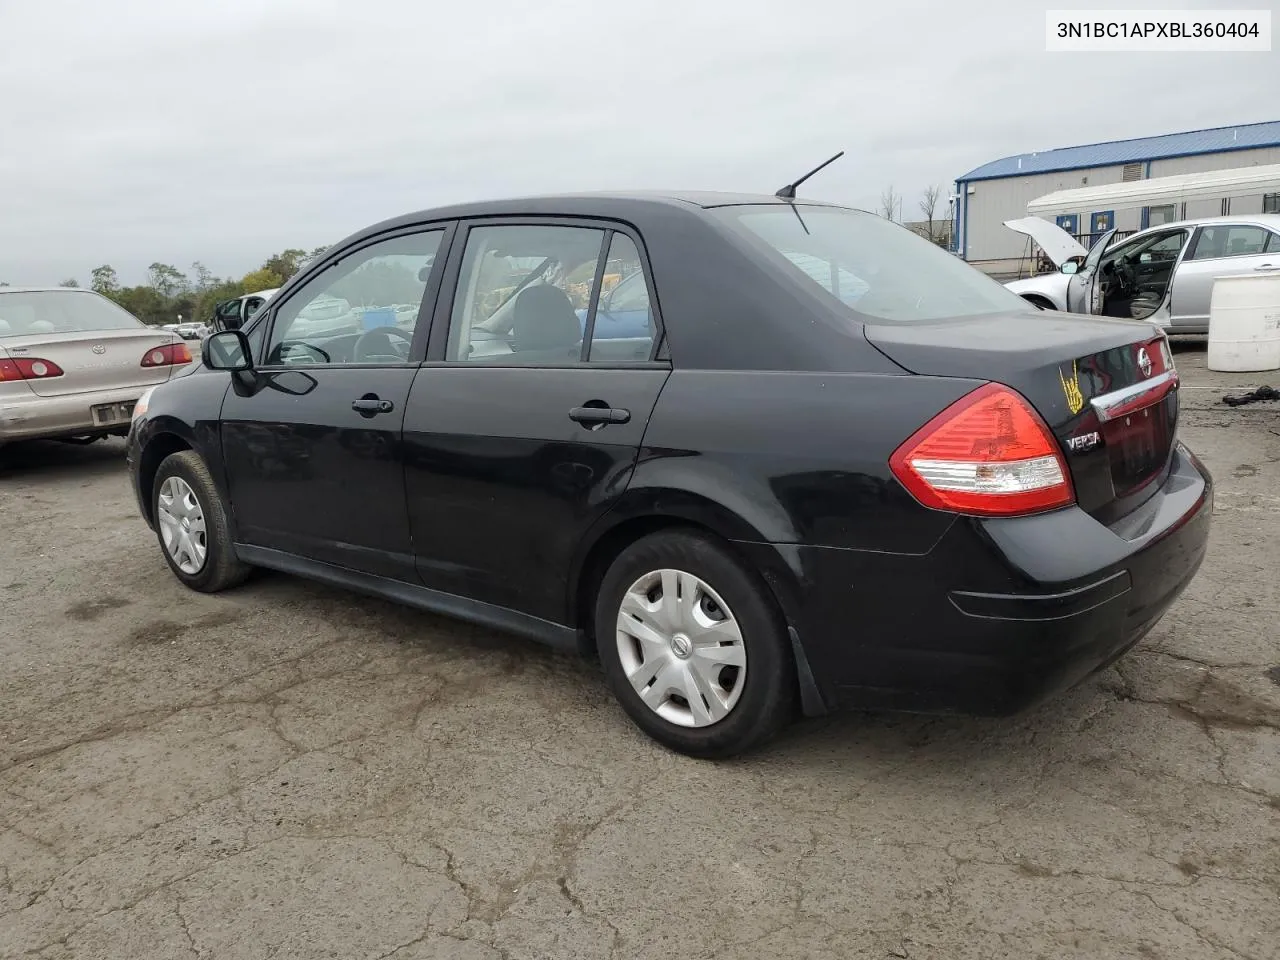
[(182, 413), (1050, 286)]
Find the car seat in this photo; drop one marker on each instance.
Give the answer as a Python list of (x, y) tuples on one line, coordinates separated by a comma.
[(544, 326)]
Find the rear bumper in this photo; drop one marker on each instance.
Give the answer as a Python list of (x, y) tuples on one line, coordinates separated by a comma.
[(32, 418), (999, 615)]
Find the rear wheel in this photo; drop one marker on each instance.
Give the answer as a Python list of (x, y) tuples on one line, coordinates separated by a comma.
[(692, 647), (191, 525)]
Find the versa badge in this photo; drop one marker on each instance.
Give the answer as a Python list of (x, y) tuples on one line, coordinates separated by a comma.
[(1071, 389), (1084, 441)]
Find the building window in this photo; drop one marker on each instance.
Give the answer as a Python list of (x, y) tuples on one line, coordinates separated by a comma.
[(1271, 203), (1164, 214), (1132, 171)]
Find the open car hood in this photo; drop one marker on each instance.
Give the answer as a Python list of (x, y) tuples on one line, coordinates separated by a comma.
[(1058, 245)]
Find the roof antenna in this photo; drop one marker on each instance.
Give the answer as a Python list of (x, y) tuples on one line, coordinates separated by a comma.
[(789, 191)]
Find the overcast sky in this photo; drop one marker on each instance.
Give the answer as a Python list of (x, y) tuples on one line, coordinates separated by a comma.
[(225, 130)]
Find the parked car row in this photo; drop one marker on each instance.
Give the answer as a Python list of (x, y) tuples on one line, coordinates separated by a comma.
[(189, 331), (1164, 274), (789, 458)]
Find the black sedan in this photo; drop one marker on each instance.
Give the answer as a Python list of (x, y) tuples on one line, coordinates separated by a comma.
[(829, 464)]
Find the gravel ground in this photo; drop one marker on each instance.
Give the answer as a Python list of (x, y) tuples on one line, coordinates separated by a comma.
[(286, 770)]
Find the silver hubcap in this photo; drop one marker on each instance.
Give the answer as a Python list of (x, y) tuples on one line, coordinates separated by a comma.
[(681, 648), (182, 525)]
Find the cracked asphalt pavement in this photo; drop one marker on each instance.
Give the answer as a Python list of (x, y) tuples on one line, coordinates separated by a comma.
[(286, 770)]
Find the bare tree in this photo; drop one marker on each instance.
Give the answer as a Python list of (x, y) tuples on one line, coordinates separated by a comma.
[(890, 204), (928, 207)]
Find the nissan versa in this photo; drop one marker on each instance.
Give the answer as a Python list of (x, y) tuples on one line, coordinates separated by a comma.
[(820, 462)]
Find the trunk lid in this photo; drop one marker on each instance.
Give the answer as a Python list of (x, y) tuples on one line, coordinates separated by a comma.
[(1106, 388), (98, 360)]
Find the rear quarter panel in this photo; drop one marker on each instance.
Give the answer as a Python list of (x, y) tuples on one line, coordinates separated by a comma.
[(779, 457)]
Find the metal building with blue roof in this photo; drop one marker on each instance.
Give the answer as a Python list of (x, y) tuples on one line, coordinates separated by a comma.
[(997, 191)]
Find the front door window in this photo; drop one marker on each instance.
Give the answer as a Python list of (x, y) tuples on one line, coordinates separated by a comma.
[(363, 309)]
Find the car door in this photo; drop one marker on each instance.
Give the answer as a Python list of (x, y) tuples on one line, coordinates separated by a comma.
[(312, 439), (521, 431), (1219, 250), (1080, 288)]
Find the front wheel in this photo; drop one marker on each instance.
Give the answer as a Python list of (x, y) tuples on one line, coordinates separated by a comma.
[(191, 525), (693, 647)]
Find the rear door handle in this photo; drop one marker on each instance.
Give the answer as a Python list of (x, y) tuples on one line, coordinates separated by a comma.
[(1267, 266), (599, 415), (370, 405)]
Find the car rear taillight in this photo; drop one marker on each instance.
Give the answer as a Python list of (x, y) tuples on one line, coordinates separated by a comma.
[(28, 368), (169, 354), (988, 454)]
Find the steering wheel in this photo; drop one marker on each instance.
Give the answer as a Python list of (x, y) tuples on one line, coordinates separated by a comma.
[(361, 353)]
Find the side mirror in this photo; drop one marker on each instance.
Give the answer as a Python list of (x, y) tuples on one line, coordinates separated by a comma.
[(228, 350), (1070, 267)]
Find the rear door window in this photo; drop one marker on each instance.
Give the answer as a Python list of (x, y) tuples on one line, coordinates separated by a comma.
[(624, 326), (1229, 240), (523, 294)]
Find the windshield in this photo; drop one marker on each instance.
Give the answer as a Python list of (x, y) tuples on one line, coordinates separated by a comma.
[(876, 268), (1160, 246), (60, 311)]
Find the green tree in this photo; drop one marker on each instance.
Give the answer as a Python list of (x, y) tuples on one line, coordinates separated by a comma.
[(166, 280), (208, 299), (103, 280), (264, 279), (70, 282), (204, 278), (285, 265), (145, 303)]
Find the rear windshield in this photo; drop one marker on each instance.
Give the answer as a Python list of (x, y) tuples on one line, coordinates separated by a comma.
[(60, 311), (878, 269)]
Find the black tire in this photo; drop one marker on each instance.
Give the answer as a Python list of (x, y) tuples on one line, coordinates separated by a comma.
[(766, 702), (1039, 302), (221, 569)]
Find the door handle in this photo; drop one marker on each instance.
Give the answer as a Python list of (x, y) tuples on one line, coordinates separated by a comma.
[(1267, 266), (592, 416), (370, 405)]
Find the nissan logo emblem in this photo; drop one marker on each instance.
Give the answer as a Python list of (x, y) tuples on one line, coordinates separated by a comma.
[(99, 349), (1144, 362)]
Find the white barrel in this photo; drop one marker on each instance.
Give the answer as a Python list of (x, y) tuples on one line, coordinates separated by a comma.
[(1244, 323)]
